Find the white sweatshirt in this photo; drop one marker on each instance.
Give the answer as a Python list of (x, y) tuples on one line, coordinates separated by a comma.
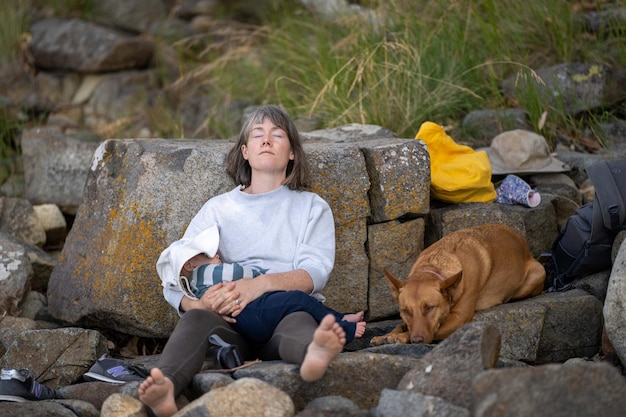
[(278, 231)]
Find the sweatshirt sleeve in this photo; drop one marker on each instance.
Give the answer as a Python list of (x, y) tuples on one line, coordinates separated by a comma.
[(173, 298), (316, 252)]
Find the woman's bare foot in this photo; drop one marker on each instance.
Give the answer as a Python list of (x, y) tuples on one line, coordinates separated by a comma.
[(157, 393), (360, 329), (328, 341), (354, 318)]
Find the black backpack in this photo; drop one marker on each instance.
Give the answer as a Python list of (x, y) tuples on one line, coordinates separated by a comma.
[(583, 246)]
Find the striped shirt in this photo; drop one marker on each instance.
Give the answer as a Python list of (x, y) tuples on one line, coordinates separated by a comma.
[(205, 276)]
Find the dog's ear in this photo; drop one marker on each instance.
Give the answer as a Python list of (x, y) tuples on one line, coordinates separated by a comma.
[(448, 282), (393, 283)]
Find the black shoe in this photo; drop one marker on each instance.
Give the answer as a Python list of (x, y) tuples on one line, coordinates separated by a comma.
[(20, 385), (115, 371), (228, 355)]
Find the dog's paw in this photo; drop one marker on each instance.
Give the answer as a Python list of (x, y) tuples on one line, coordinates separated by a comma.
[(377, 340), (386, 339)]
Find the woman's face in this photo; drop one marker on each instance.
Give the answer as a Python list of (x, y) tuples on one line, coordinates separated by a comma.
[(268, 148)]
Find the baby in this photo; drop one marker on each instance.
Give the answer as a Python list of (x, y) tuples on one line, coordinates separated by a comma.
[(193, 266)]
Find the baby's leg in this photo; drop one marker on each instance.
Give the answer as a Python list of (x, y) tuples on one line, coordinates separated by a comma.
[(279, 304), (353, 330), (355, 318), (349, 329)]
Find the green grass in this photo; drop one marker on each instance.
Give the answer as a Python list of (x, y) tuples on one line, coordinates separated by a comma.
[(435, 62), (432, 60), (13, 26)]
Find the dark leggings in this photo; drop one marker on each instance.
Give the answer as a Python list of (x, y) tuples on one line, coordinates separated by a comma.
[(184, 352)]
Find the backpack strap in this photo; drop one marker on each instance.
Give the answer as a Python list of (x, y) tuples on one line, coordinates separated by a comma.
[(608, 195)]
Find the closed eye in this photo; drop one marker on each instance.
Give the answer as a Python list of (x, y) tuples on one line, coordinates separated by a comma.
[(428, 308)]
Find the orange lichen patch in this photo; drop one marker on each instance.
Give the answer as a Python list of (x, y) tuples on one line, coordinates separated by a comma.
[(130, 246)]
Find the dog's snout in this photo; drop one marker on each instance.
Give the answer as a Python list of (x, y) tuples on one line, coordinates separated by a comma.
[(417, 339)]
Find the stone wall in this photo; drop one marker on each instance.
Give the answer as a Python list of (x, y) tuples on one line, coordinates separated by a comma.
[(140, 194)]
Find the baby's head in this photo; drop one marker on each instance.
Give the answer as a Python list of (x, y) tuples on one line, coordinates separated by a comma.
[(198, 260), (186, 254)]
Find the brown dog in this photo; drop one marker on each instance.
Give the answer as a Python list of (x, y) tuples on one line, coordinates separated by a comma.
[(465, 271)]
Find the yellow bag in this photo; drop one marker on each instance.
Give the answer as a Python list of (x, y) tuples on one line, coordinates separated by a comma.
[(458, 173)]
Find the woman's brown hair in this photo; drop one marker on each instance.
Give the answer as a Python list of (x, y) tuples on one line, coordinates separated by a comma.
[(297, 169)]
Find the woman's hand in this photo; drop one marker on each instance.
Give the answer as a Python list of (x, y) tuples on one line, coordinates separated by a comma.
[(248, 289), (223, 298), (220, 298)]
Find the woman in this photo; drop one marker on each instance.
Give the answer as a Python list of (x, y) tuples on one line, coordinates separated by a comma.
[(268, 221)]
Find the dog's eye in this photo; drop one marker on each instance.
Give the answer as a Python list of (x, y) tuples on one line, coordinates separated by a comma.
[(428, 308)]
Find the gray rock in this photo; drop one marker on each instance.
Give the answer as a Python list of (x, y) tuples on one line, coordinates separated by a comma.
[(122, 405), (595, 284), (572, 87), (114, 99), (48, 408), (62, 355), (481, 126), (351, 376), (617, 244), (94, 393), (206, 381), (354, 132), (603, 20), (413, 350), (339, 174), (572, 328), (537, 225), (15, 275), (564, 205), (448, 370), (32, 304), (399, 173), (244, 397), (57, 169), (53, 223), (410, 403), (18, 219), (332, 402), (614, 309), (520, 325), (85, 47), (135, 16), (41, 261), (11, 327), (581, 389)]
